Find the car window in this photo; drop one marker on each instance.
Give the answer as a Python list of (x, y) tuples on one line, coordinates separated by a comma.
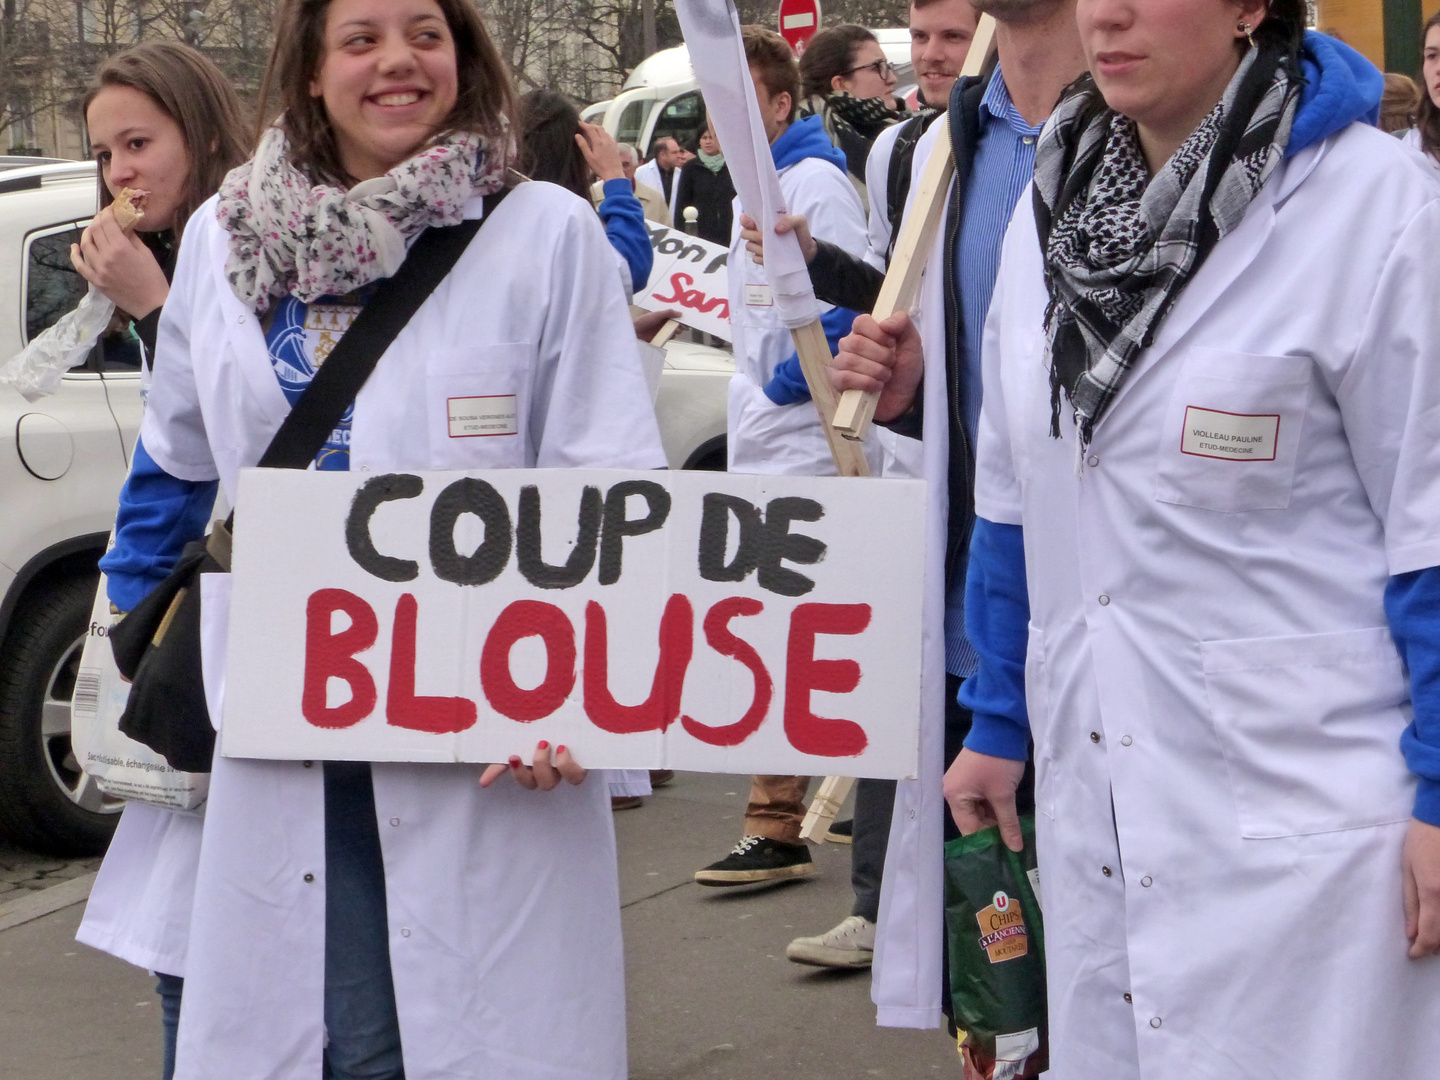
[(632, 121), (52, 287), (681, 120)]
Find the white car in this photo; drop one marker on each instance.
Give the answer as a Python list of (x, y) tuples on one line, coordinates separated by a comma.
[(62, 462)]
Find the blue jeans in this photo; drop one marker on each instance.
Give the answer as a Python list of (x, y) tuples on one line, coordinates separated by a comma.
[(361, 1025), (169, 988)]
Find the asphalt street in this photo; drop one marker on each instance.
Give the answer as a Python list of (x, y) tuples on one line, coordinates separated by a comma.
[(711, 995)]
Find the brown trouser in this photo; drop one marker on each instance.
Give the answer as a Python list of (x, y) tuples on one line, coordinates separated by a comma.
[(777, 807)]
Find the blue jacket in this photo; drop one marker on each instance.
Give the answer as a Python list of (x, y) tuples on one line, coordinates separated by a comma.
[(803, 139), (624, 221)]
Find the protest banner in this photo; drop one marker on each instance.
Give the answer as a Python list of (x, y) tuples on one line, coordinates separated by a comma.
[(693, 620), (690, 277)]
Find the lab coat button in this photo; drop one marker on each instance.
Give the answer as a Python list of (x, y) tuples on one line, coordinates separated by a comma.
[(1106, 871), (309, 878), (395, 822), (1128, 999), (1147, 881), (912, 815), (1154, 1021), (1094, 736), (1126, 740), (1104, 600), (308, 764), (405, 931), (1093, 461)]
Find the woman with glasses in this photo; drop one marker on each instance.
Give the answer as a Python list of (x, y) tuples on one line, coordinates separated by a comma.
[(848, 83)]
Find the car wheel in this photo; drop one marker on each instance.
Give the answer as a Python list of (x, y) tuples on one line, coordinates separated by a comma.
[(46, 801)]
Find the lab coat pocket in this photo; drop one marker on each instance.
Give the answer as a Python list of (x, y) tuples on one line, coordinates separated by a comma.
[(1037, 706), (1310, 728), (476, 401), (1232, 431)]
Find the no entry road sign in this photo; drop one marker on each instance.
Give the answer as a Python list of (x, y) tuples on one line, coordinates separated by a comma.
[(799, 19)]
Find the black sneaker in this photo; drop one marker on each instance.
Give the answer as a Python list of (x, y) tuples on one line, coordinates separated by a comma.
[(841, 832), (758, 858)]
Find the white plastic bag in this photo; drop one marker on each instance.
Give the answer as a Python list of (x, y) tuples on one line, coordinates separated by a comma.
[(36, 370), (122, 767)]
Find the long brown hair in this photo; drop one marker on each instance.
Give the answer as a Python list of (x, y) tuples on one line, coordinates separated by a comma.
[(189, 89), (1427, 117), (484, 103)]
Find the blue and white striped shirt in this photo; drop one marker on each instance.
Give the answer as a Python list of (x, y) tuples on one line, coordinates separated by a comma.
[(999, 174)]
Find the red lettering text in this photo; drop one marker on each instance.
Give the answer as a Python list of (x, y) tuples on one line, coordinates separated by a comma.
[(719, 637), (694, 299), (808, 733), (658, 711), (332, 656), (440, 715), (522, 619)]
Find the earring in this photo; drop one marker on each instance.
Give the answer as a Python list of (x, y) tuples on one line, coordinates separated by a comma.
[(1244, 28)]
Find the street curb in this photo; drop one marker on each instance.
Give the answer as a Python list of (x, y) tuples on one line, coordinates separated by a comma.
[(36, 905)]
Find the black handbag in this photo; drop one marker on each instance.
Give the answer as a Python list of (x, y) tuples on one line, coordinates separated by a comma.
[(157, 644)]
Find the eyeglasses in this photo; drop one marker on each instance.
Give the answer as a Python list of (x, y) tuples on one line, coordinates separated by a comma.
[(881, 68)]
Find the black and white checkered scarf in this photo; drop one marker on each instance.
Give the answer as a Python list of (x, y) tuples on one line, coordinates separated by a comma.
[(1120, 246)]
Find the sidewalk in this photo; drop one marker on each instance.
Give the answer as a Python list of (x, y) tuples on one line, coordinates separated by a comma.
[(711, 995)]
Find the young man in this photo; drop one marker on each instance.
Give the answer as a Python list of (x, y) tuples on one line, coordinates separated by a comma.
[(773, 427), (940, 36), (995, 123), (662, 170)]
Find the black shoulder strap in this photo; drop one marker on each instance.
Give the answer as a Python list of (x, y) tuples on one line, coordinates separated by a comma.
[(345, 370), (897, 180)]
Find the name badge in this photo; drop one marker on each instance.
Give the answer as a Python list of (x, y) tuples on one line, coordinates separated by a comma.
[(759, 296), (1230, 436), (478, 417)]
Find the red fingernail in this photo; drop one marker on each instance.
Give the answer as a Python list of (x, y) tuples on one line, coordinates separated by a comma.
[(559, 750), (514, 761), (544, 745)]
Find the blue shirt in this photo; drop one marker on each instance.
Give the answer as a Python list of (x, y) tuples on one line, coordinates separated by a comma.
[(1002, 168)]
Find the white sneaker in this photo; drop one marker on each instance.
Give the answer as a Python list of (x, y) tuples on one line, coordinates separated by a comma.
[(851, 944)]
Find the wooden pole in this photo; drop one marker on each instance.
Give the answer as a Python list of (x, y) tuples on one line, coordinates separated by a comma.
[(901, 289), (824, 806)]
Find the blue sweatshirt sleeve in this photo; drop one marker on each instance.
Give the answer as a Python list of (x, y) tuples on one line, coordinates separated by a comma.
[(159, 514), (624, 220), (1412, 605), (787, 386), (997, 618)]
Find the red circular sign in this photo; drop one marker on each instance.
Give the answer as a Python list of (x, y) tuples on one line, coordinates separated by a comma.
[(799, 19)]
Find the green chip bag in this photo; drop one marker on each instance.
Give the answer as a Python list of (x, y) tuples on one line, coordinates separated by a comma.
[(996, 943)]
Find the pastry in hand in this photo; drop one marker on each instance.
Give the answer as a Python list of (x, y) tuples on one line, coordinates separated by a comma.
[(129, 208)]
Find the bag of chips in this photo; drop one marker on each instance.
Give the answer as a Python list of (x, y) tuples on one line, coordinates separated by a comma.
[(996, 943)]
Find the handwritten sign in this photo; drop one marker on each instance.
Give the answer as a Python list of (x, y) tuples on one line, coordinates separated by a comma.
[(705, 621), (689, 276)]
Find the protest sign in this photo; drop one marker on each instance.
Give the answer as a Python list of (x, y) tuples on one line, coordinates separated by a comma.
[(705, 621), (690, 277)]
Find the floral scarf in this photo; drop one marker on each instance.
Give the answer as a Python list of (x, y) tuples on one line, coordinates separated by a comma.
[(289, 235)]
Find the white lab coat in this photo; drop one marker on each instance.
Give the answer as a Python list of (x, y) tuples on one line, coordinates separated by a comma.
[(910, 940), (1214, 695), (765, 437), (649, 175), (1412, 139), (503, 904)]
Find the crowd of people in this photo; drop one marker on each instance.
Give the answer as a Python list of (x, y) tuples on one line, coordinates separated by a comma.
[(1172, 388)]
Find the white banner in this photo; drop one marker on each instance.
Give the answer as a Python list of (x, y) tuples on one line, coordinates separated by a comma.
[(689, 277), (691, 620), (717, 55)]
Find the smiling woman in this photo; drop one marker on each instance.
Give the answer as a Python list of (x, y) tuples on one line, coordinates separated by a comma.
[(355, 921)]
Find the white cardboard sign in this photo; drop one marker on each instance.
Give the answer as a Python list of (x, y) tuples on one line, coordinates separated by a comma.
[(706, 621), (690, 277)]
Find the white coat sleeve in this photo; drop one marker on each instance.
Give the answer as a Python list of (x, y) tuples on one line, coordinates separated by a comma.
[(173, 429), (997, 484), (831, 206), (1390, 397), (592, 406)]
